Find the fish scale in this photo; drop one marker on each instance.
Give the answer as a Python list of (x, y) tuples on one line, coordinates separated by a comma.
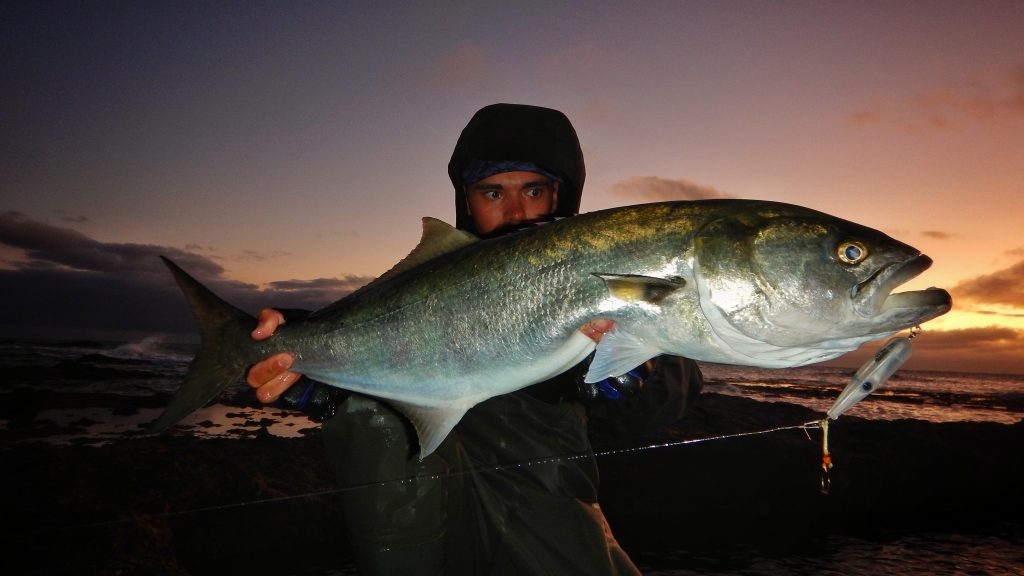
[(461, 320)]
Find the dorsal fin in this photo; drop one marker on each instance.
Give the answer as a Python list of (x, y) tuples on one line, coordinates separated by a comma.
[(438, 238)]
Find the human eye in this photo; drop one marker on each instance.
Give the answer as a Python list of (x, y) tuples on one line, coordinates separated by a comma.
[(535, 191), (492, 194)]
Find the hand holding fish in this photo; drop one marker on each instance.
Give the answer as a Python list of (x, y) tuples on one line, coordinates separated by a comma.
[(270, 377)]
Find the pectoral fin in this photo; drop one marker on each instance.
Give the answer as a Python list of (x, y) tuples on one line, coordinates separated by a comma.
[(618, 353), (432, 424), (632, 287)]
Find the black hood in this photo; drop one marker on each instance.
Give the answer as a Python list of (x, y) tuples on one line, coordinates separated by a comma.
[(526, 134)]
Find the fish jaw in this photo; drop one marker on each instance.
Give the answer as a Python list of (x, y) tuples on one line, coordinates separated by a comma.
[(875, 301), (776, 291)]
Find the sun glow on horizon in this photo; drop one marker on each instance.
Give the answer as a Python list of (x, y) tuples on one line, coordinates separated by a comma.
[(967, 319)]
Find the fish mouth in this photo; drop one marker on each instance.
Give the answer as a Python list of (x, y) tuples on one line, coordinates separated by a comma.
[(874, 297)]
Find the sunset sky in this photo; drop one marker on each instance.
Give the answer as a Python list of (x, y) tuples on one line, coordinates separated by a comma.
[(285, 151)]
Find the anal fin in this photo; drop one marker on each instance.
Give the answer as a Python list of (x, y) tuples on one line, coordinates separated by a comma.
[(432, 424)]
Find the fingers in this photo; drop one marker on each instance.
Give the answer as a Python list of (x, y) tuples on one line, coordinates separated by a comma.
[(270, 376), (269, 368), (272, 390), (595, 329), (267, 324)]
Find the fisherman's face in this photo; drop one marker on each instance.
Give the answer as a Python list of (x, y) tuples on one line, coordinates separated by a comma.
[(511, 198)]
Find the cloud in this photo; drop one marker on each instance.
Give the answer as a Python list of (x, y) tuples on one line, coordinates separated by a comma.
[(986, 349), (252, 255), (937, 234), (1005, 287), (73, 218), (67, 283), (865, 117), (939, 340), (1002, 313), (313, 294), (654, 189), (944, 108), (980, 101), (349, 283), (464, 65), (992, 349), (48, 246)]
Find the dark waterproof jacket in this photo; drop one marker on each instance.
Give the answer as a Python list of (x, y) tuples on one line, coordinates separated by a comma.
[(513, 489)]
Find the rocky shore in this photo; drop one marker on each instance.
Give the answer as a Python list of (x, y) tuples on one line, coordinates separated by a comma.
[(265, 505)]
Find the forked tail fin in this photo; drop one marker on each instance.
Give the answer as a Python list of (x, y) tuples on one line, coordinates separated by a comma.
[(225, 351)]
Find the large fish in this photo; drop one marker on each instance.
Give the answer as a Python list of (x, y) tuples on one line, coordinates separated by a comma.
[(461, 320)]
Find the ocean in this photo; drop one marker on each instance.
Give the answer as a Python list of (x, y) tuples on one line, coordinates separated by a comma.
[(119, 372), (95, 393), (918, 395)]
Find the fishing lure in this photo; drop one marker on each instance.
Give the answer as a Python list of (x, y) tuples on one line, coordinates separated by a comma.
[(870, 377), (873, 374)]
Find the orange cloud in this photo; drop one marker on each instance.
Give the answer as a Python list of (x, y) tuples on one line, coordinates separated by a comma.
[(466, 64), (654, 189), (865, 117), (1004, 287), (253, 255), (989, 349), (942, 108), (944, 340), (936, 234), (982, 103), (992, 349)]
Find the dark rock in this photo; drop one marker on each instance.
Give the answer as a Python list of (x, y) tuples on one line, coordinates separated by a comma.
[(179, 505)]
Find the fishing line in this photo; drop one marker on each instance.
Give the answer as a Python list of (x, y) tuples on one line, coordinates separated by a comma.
[(432, 477), (870, 376)]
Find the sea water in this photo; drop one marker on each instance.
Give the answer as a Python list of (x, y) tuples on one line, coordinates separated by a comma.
[(90, 392), (919, 395), (104, 377), (96, 392)]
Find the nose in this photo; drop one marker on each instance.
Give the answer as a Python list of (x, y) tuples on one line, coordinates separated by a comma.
[(515, 211)]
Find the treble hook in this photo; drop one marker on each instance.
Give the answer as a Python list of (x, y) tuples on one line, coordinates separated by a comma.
[(826, 460)]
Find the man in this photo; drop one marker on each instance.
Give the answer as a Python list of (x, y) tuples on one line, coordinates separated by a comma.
[(470, 510)]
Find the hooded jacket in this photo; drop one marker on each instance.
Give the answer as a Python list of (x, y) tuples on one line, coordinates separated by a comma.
[(521, 133)]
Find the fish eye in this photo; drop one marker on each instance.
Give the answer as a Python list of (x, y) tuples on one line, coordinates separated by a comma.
[(852, 252)]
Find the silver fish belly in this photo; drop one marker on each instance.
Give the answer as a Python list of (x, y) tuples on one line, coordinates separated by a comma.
[(461, 320)]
